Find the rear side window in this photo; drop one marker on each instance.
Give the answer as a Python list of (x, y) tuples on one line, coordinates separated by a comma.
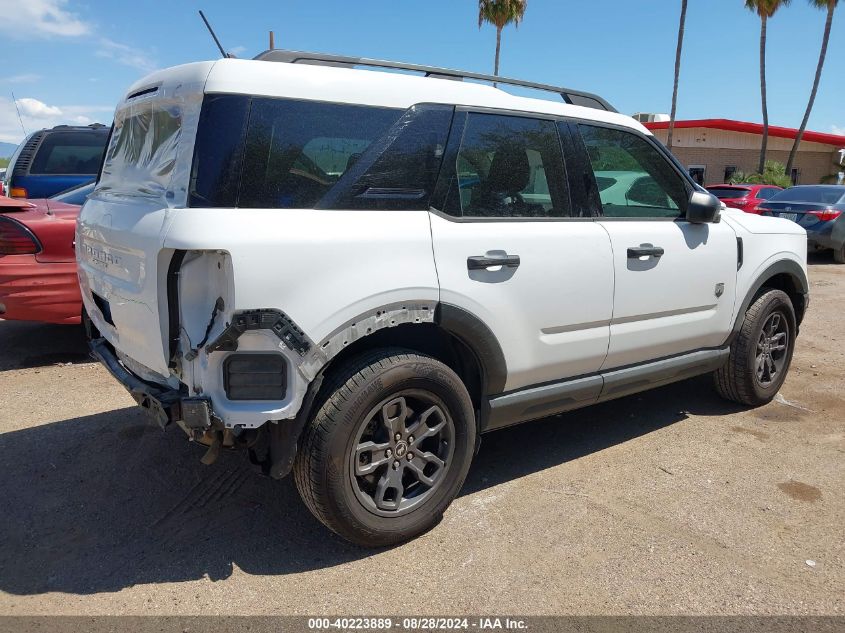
[(296, 151), (218, 151), (73, 153), (510, 166), (281, 153), (399, 170), (645, 185)]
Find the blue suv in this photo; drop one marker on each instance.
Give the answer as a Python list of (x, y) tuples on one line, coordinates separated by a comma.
[(50, 161)]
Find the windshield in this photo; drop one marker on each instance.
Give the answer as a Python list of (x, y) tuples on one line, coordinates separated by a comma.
[(811, 193), (75, 195), (729, 192)]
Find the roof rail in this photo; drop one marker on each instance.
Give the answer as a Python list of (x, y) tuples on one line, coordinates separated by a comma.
[(573, 97)]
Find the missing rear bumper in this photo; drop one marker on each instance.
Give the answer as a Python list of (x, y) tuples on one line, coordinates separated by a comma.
[(163, 404)]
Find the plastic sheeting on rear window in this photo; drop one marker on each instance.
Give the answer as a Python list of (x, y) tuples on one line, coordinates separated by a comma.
[(151, 147)]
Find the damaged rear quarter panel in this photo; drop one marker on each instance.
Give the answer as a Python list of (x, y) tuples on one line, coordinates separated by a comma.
[(336, 274)]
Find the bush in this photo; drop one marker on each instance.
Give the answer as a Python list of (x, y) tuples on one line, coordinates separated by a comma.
[(774, 173)]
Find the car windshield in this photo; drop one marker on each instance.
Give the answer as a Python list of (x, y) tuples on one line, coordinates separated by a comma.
[(811, 193), (729, 192), (75, 195)]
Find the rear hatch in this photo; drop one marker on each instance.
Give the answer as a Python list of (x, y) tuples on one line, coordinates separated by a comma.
[(123, 265), (731, 196), (51, 161)]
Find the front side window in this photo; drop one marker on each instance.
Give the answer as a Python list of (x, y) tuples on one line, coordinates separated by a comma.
[(510, 166), (633, 179)]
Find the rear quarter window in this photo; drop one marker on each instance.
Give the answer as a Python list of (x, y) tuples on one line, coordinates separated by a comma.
[(281, 153), (296, 151)]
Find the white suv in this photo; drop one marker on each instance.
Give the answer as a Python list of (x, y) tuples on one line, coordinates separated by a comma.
[(353, 273)]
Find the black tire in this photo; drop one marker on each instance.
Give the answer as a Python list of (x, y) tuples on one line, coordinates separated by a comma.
[(361, 400), (839, 254), (740, 379)]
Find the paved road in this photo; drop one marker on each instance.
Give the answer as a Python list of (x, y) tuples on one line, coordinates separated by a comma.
[(672, 501)]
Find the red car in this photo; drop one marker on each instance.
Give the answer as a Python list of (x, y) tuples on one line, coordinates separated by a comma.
[(38, 279), (745, 197)]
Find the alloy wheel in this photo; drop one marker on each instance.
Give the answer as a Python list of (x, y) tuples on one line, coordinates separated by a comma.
[(772, 347), (402, 452)]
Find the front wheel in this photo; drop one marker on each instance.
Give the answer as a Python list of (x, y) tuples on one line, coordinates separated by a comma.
[(389, 448), (761, 353)]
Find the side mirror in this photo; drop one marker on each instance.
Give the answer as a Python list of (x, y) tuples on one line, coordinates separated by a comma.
[(703, 208)]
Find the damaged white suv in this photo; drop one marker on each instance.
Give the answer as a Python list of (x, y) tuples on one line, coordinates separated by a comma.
[(353, 273)]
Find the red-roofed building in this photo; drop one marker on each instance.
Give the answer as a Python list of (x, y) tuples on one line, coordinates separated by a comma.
[(713, 149)]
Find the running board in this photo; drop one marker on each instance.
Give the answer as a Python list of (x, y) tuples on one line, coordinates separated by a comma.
[(549, 399)]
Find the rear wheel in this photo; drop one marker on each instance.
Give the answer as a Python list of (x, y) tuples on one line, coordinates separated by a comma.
[(761, 353), (389, 448), (839, 254)]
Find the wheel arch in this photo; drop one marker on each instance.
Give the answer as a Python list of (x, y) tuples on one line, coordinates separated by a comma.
[(454, 336), (786, 275)]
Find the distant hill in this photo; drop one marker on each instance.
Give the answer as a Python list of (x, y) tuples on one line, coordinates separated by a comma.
[(7, 149)]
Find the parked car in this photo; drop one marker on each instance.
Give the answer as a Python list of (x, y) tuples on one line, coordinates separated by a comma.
[(359, 296), (744, 197), (38, 280), (816, 208), (50, 161)]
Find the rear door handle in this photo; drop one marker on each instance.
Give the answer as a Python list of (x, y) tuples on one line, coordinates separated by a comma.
[(635, 252), (482, 262)]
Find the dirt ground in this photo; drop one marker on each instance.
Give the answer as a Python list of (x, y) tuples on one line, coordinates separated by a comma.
[(669, 502)]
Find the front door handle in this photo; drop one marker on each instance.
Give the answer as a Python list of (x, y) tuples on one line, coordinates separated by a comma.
[(482, 262), (635, 252)]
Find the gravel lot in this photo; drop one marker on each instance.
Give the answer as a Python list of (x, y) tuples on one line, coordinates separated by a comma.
[(669, 502)]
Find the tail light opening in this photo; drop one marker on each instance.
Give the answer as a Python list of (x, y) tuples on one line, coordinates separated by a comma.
[(16, 239), (17, 192)]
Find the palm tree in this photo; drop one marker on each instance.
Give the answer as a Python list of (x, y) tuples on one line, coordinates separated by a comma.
[(677, 71), (500, 13), (765, 9), (830, 5)]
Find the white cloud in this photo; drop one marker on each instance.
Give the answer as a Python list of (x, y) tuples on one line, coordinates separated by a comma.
[(838, 129), (127, 55), (36, 109), (24, 78), (24, 19), (37, 114), (237, 50)]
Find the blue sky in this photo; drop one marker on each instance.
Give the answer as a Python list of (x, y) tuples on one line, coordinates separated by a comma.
[(71, 60)]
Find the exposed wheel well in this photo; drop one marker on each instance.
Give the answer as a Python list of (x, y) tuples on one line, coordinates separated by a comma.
[(425, 338)]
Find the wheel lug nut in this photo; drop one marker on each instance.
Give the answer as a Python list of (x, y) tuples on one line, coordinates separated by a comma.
[(396, 464), (397, 437), (410, 456), (411, 440), (388, 453)]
